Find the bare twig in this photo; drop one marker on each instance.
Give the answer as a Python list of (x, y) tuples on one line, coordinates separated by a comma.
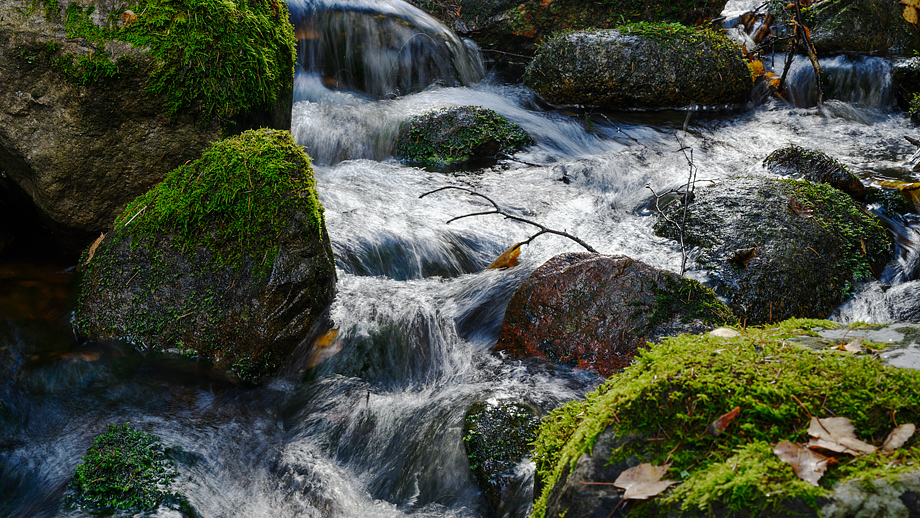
[(687, 193), (802, 36), (498, 210)]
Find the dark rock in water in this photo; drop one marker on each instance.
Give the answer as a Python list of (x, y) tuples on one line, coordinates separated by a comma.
[(598, 311), (640, 66), (497, 436), (512, 26), (906, 76), (465, 137), (815, 166), (806, 243), (227, 260), (839, 26), (94, 113)]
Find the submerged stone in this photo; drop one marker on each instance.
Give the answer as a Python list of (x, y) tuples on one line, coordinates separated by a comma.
[(659, 408), (776, 249), (227, 260), (464, 137), (597, 311), (640, 66)]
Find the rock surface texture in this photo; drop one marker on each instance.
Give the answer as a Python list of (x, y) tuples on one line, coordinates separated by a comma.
[(89, 113)]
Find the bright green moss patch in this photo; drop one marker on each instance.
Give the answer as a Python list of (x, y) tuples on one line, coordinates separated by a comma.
[(245, 187), (672, 393), (216, 57), (125, 468)]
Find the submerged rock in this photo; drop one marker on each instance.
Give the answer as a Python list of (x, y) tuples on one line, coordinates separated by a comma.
[(93, 112), (659, 410), (640, 66), (776, 249), (497, 436), (464, 137), (815, 166), (227, 260), (598, 311)]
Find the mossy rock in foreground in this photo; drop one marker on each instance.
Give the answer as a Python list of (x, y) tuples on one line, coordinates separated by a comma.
[(124, 469), (640, 65), (464, 137), (659, 409), (227, 260)]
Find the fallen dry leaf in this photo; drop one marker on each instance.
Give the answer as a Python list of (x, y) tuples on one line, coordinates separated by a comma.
[(910, 10), (507, 259), (838, 430), (719, 425), (724, 332), (853, 347), (899, 436), (643, 481), (92, 248), (807, 465), (128, 17)]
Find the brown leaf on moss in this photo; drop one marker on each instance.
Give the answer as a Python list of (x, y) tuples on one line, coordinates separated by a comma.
[(507, 259), (837, 430), (853, 347), (92, 248), (899, 436), (807, 465), (719, 425), (643, 481)]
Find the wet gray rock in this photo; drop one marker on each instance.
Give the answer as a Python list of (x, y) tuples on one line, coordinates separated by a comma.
[(776, 249), (641, 66)]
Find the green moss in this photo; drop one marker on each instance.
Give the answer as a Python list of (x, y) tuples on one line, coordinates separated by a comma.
[(217, 58), (691, 300), (245, 186), (671, 394), (125, 469)]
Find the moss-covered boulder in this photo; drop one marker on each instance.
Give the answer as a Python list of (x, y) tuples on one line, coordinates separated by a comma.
[(659, 410), (459, 138), (598, 311), (125, 469), (839, 26), (227, 259), (776, 249), (97, 105), (640, 66), (815, 166), (513, 26), (497, 436)]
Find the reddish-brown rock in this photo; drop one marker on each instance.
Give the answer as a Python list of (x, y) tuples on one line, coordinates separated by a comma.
[(596, 311)]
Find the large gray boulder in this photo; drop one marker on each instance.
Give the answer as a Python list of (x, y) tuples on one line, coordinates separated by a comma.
[(640, 66), (95, 110)]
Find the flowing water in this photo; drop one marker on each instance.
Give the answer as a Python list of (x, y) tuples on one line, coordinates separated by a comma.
[(370, 423)]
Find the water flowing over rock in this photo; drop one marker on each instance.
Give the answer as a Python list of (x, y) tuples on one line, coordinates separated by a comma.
[(383, 48), (597, 311), (640, 66), (82, 127), (227, 260), (777, 249)]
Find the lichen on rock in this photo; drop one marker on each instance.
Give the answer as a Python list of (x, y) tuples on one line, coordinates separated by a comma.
[(227, 259)]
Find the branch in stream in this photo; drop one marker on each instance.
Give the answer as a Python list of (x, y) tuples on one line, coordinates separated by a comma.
[(802, 36), (498, 210)]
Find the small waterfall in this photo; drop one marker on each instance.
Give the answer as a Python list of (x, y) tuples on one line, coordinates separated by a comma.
[(383, 48), (860, 80)]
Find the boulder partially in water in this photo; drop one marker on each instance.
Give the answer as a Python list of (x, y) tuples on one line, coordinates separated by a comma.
[(459, 138), (640, 66), (95, 110), (598, 311), (227, 260), (815, 166), (776, 249)]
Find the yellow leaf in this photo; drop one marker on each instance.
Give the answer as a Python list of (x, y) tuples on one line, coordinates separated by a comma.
[(910, 11), (92, 249), (507, 259), (756, 69)]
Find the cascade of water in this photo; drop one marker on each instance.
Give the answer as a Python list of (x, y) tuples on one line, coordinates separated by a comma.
[(861, 80), (381, 47)]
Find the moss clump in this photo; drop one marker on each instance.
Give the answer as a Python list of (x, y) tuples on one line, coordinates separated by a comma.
[(124, 469), (218, 58), (672, 393), (453, 138), (245, 186)]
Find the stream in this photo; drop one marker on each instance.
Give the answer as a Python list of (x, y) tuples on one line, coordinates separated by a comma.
[(370, 424)]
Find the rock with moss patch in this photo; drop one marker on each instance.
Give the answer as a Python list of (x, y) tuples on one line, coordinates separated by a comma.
[(598, 311), (659, 408), (126, 469), (94, 111), (815, 166), (227, 259), (640, 66), (776, 249), (460, 138), (497, 436)]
